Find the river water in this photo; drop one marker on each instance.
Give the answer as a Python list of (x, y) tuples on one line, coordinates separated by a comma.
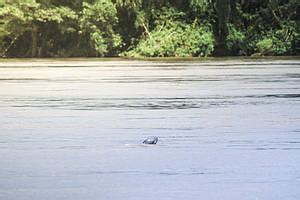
[(228, 129)]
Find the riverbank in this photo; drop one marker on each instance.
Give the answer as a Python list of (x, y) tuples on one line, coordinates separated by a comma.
[(78, 62)]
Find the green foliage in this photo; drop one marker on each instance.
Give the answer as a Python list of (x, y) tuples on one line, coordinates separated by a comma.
[(22, 20), (280, 41), (171, 37), (235, 40), (200, 6), (99, 21), (180, 40), (62, 28), (265, 46)]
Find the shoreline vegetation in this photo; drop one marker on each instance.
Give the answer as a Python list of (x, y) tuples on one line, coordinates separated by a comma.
[(149, 29)]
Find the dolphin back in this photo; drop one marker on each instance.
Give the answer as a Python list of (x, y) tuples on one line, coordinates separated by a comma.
[(151, 140)]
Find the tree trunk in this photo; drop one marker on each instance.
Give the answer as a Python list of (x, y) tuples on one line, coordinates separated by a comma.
[(223, 11), (34, 41)]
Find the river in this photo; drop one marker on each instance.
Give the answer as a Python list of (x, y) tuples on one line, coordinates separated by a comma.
[(228, 129)]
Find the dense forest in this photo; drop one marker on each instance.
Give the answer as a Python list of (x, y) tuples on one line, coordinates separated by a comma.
[(148, 28)]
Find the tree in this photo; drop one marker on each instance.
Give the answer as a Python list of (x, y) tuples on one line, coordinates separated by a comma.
[(25, 22), (64, 28), (98, 22)]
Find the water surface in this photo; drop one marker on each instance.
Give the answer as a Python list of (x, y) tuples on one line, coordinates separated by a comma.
[(73, 130)]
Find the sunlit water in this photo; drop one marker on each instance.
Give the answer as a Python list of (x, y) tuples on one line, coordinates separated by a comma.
[(227, 130)]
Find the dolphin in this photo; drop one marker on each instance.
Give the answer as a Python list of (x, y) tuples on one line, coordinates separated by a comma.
[(151, 140)]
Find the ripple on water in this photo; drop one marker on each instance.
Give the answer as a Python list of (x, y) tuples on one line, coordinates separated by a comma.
[(146, 103), (263, 145), (171, 172)]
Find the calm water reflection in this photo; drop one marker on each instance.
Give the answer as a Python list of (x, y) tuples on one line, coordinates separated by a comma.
[(228, 130)]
